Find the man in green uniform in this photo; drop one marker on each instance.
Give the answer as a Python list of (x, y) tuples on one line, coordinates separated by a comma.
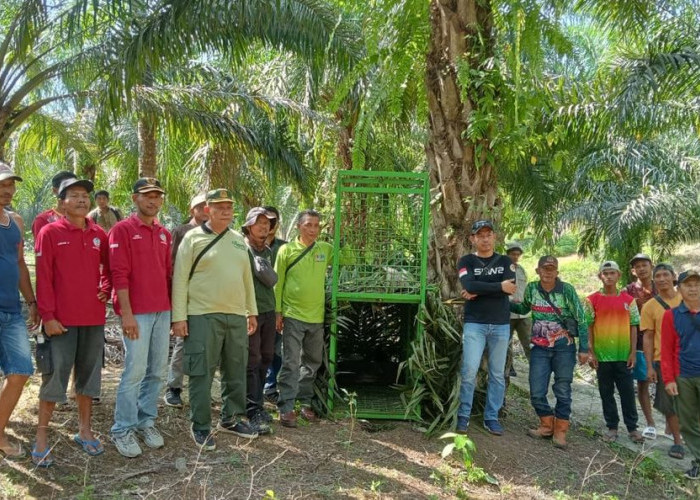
[(301, 267), (213, 294)]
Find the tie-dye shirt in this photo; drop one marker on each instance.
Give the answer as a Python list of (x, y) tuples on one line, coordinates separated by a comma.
[(611, 317)]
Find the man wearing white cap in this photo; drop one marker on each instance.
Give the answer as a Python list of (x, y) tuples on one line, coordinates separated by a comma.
[(198, 216)]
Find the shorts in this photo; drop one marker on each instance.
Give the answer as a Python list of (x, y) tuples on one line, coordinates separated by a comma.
[(662, 401), (81, 347), (15, 353)]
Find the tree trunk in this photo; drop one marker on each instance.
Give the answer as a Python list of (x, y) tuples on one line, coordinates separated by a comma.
[(462, 179), (147, 129)]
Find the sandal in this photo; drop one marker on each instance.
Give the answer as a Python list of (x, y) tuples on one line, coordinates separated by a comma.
[(677, 451), (636, 437), (13, 453), (610, 436), (97, 448), (42, 459), (649, 432)]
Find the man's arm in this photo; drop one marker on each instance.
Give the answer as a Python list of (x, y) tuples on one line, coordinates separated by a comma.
[(576, 308), (467, 278), (120, 263), (634, 328), (525, 306), (281, 270), (105, 273), (181, 273), (25, 282), (589, 311), (669, 353), (46, 296)]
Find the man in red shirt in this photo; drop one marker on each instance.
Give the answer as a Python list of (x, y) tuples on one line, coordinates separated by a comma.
[(52, 214), (72, 277), (139, 250)]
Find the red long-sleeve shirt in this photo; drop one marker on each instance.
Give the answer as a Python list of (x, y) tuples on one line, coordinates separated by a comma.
[(72, 267), (44, 218), (140, 260), (670, 349)]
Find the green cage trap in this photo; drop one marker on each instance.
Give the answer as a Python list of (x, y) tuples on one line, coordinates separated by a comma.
[(378, 286)]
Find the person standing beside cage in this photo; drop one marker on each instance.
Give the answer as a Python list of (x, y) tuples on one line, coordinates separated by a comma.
[(488, 279), (15, 352), (558, 318), (301, 267), (519, 323)]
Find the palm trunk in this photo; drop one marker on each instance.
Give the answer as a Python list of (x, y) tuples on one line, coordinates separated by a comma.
[(462, 179), (147, 129)]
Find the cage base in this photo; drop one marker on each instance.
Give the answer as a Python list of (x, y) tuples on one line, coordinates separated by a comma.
[(374, 402)]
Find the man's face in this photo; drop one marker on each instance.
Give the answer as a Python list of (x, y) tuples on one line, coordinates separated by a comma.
[(148, 204), (664, 280), (258, 232), (515, 256), (220, 213), (7, 191), (642, 269), (76, 202), (484, 240), (609, 277), (102, 201), (199, 214), (690, 289), (309, 228), (548, 274)]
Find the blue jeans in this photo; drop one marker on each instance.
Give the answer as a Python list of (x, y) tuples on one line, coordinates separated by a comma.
[(545, 361), (145, 369), (476, 337), (15, 353)]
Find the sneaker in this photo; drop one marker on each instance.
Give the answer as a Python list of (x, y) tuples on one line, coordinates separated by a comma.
[(172, 397), (151, 437), (203, 439), (694, 471), (127, 445), (265, 416), (239, 428), (462, 425), (258, 424), (494, 427)]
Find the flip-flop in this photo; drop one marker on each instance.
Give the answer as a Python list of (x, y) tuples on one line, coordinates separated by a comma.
[(677, 451), (98, 449), (43, 458), (610, 436), (16, 454), (649, 432)]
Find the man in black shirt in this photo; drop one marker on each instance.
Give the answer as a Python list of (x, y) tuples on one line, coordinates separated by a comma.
[(488, 279)]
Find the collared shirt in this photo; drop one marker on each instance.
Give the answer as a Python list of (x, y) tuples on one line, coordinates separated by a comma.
[(652, 315), (140, 259), (680, 344), (520, 283), (106, 220), (44, 218), (72, 267)]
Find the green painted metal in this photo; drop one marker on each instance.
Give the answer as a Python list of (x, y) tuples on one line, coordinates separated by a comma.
[(380, 256)]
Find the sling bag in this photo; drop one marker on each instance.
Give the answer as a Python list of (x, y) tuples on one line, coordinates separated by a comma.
[(206, 249), (661, 301), (262, 268), (301, 256), (570, 324)]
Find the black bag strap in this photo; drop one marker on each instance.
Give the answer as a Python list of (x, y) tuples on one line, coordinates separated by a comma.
[(545, 296), (206, 249), (661, 301), (117, 214), (301, 256)]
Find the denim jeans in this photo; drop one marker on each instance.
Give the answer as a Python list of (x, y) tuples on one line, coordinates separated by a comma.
[(15, 353), (145, 369), (477, 337), (545, 361), (613, 374)]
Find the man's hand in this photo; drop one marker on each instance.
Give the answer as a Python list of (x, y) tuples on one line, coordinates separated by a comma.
[(592, 360), (34, 319), (672, 389), (468, 296), (252, 325), (509, 287), (179, 329), (130, 327), (53, 327), (631, 360), (583, 358), (279, 323), (102, 297), (651, 376)]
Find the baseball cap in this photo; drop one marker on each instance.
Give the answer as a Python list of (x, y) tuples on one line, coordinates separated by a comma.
[(640, 256), (686, 275), (198, 200), (57, 179), (548, 261), (147, 185), (661, 266), (218, 196), (7, 173), (514, 246), (609, 264), (73, 182), (256, 212), (480, 224)]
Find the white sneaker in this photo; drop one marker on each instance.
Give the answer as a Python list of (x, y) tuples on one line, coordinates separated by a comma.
[(127, 445), (151, 437)]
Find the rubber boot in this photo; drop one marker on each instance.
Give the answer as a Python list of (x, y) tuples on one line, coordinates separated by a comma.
[(560, 429), (545, 430)]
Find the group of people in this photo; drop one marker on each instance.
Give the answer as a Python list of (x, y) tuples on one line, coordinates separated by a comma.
[(226, 296), (648, 331)]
